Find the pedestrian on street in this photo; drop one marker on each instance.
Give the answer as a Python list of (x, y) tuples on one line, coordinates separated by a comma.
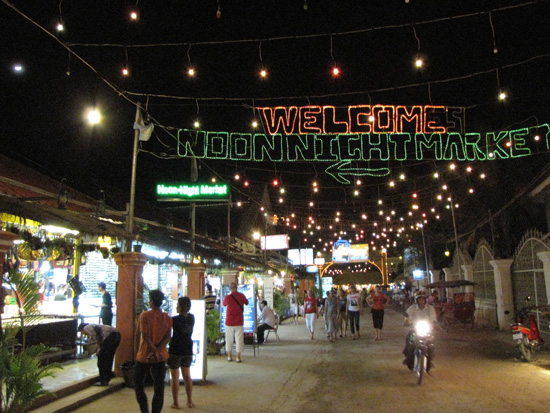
[(181, 351), (378, 301), (210, 299), (332, 308), (155, 327), (106, 312), (342, 314), (107, 339), (234, 320), (310, 311), (354, 310), (293, 302)]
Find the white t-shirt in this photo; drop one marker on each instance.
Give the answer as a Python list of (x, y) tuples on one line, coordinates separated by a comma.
[(354, 302)]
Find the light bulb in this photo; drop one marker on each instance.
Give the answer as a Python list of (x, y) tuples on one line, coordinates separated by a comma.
[(125, 71), (133, 15), (418, 62), (254, 124), (60, 27), (196, 124), (335, 71), (191, 72), (263, 73), (502, 95)]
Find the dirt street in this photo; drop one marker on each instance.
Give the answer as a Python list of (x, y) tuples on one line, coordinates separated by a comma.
[(474, 371)]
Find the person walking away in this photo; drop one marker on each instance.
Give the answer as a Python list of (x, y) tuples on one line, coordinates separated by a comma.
[(155, 327), (378, 301), (354, 310), (234, 320), (266, 321), (106, 312), (293, 302), (342, 314), (310, 311), (181, 351), (332, 308), (107, 339), (210, 299)]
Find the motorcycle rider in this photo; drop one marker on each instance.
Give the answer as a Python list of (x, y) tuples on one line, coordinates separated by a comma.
[(419, 311)]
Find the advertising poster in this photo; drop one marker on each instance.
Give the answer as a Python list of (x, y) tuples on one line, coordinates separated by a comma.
[(249, 290), (198, 365), (268, 291)]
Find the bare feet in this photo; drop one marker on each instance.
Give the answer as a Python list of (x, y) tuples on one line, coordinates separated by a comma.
[(190, 404), (175, 406)]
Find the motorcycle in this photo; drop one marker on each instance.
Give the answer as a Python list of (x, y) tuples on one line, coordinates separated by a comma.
[(525, 332), (423, 348)]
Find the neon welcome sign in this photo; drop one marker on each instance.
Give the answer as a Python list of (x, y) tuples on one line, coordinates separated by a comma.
[(352, 138)]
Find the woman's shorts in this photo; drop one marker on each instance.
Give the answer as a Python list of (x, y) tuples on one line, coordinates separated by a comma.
[(175, 361)]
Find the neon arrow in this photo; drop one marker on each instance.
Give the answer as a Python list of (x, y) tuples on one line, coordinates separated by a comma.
[(338, 170)]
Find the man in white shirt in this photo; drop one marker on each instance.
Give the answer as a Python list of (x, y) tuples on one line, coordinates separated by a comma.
[(416, 312), (266, 321)]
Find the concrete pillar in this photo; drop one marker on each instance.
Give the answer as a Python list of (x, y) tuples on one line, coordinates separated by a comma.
[(544, 256), (503, 289), (129, 304), (468, 274), (230, 275), (6, 242), (195, 281)]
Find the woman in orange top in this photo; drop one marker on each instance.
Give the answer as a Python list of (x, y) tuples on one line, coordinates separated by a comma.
[(378, 300)]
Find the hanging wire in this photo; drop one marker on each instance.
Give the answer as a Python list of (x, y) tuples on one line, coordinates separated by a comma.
[(430, 93), (495, 50), (331, 55), (260, 52), (417, 40)]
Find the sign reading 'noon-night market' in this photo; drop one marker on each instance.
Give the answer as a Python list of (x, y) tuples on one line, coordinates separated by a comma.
[(192, 191), (351, 137)]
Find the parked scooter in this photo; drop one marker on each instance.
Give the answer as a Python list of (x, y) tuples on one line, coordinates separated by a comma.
[(525, 332)]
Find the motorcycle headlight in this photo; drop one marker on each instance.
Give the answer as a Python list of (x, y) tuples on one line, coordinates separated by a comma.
[(422, 328)]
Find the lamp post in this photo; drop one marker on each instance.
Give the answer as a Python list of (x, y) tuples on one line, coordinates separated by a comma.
[(130, 219), (456, 237)]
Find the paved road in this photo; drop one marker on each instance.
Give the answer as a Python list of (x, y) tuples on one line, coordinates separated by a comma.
[(475, 371)]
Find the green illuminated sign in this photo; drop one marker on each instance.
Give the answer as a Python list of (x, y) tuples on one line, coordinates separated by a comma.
[(192, 191), (349, 154)]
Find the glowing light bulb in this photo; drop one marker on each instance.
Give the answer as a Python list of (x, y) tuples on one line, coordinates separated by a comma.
[(537, 138), (502, 95), (471, 190), (133, 15), (371, 118), (275, 182), (402, 177), (94, 117), (254, 124), (482, 176), (125, 71), (191, 72), (263, 73), (237, 177), (246, 183), (418, 63), (196, 124), (18, 68), (335, 71), (60, 27)]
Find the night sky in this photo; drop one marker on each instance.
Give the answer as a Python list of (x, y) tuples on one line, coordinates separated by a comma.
[(471, 50)]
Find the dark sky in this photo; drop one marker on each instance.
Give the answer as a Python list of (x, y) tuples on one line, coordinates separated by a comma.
[(373, 42)]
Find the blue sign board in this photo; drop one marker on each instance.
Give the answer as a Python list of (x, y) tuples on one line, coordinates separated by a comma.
[(249, 290)]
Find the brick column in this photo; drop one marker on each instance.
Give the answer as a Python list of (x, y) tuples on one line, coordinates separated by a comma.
[(230, 275), (195, 281), (503, 289), (129, 304)]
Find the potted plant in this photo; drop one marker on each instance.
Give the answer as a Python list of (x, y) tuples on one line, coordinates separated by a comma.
[(213, 328), (21, 371)]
